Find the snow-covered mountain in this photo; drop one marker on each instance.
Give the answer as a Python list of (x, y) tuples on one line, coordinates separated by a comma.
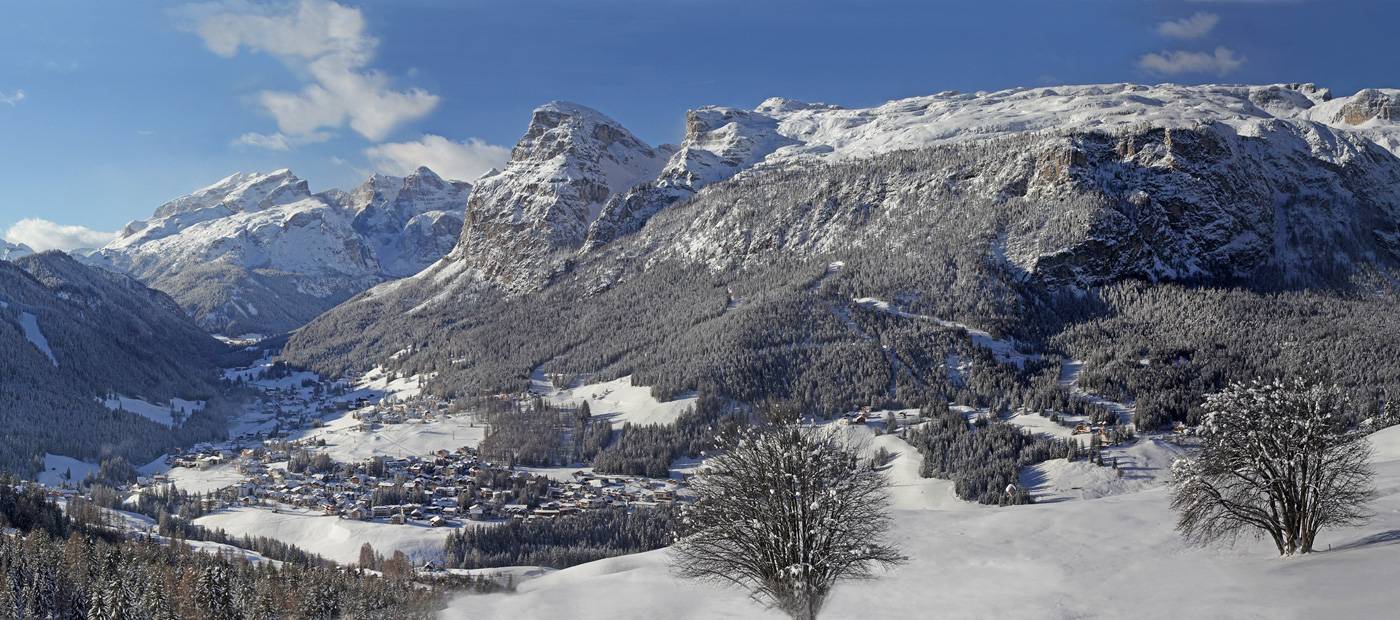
[(12, 251), (976, 205), (261, 253), (578, 181), (409, 221), (527, 218)]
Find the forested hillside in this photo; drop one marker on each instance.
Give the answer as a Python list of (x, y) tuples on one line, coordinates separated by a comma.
[(72, 335)]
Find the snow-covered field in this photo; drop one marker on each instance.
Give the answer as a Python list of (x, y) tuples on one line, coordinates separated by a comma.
[(1141, 465), (618, 401), (58, 469), (335, 538), (152, 411), (205, 480), (1112, 557), (377, 380), (413, 437)]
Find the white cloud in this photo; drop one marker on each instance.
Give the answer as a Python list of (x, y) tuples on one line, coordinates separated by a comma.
[(453, 160), (1193, 27), (13, 99), (327, 43), (42, 235), (279, 141), (269, 141), (1221, 62)]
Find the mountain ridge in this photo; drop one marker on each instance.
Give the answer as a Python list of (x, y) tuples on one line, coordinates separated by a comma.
[(1020, 226), (260, 253)]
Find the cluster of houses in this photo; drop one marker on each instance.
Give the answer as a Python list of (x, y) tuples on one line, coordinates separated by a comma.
[(441, 489), (199, 456), (426, 408)]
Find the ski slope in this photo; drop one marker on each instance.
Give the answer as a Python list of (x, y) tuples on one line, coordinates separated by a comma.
[(1005, 351), (58, 469)]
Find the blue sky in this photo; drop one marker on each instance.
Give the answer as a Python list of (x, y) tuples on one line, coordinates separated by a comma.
[(107, 109)]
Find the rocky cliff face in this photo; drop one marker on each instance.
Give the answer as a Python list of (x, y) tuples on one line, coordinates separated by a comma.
[(261, 253), (1282, 201), (409, 222), (719, 143), (522, 222)]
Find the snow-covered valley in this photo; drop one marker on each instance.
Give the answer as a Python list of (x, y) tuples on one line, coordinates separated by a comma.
[(722, 310)]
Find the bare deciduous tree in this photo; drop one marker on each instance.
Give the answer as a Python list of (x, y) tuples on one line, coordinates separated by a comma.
[(1276, 458), (786, 512)]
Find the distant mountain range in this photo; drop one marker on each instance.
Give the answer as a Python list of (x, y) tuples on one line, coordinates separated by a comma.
[(1166, 238), (731, 261), (12, 251), (260, 253)]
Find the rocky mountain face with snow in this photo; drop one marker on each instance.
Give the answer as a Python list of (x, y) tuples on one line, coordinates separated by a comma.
[(260, 253), (527, 219), (12, 251), (71, 332), (979, 207)]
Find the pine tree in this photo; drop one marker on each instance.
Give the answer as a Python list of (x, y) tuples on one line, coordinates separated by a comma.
[(212, 592), (9, 602)]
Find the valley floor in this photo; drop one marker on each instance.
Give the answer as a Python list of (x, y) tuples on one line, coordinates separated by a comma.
[(1112, 557)]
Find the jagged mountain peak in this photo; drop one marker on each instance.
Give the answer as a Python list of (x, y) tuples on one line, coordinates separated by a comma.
[(584, 135), (523, 220), (418, 192)]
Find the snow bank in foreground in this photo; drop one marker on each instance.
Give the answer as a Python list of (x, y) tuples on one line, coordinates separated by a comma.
[(632, 586), (1386, 444), (1114, 557)]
